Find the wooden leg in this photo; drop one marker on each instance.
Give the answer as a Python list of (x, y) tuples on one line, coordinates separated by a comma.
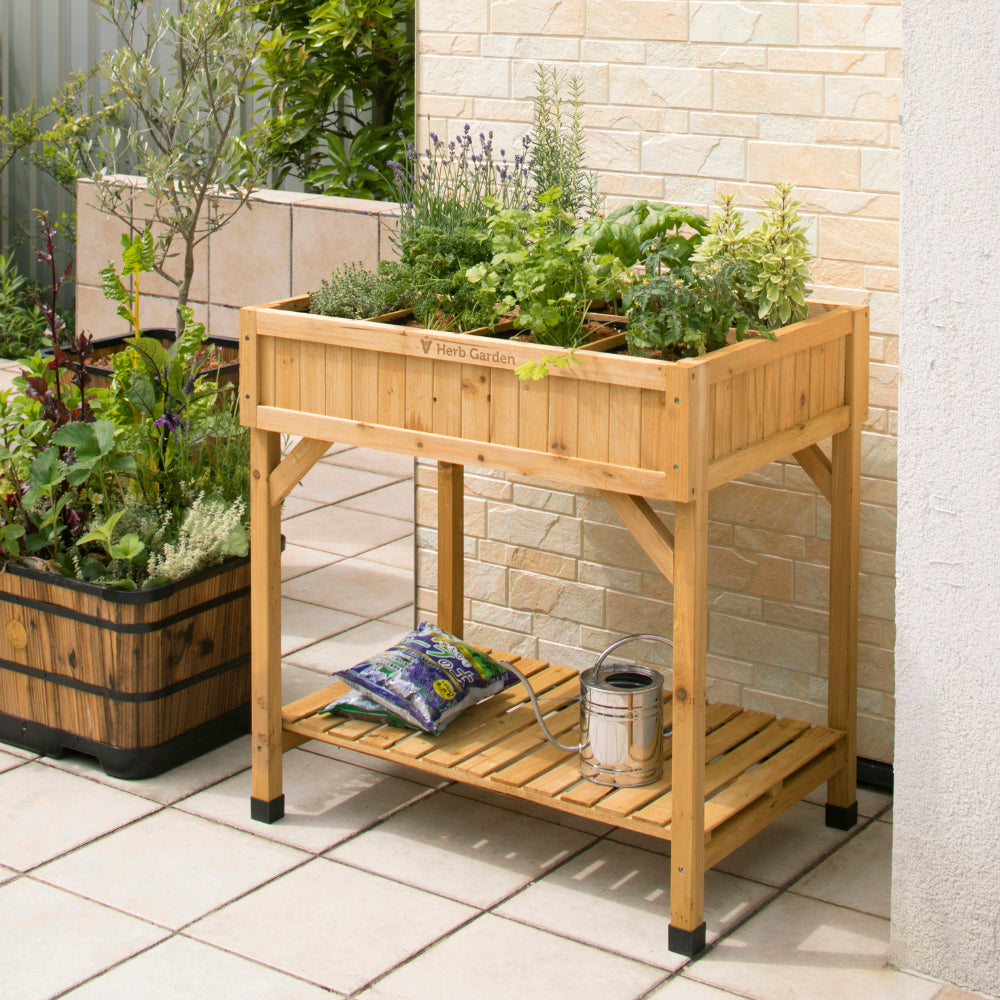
[(687, 849), (267, 803), (451, 547), (845, 498)]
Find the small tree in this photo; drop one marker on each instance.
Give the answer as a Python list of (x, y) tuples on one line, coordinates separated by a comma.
[(180, 81)]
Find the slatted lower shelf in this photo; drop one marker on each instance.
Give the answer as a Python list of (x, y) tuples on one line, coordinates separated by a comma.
[(757, 765)]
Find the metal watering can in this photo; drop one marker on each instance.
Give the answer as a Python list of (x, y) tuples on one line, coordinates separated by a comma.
[(621, 720)]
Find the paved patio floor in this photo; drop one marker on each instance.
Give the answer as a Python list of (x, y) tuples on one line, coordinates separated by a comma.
[(382, 884)]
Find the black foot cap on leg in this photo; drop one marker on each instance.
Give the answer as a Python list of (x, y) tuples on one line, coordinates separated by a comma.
[(267, 812), (688, 943), (842, 817)]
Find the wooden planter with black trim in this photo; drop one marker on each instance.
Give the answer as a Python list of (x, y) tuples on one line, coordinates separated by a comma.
[(141, 680)]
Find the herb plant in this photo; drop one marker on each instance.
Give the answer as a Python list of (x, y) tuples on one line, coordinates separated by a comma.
[(684, 312), (772, 259), (544, 267), (629, 231), (353, 292), (557, 144)]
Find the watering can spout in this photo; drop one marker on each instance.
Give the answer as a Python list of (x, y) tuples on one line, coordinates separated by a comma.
[(621, 720)]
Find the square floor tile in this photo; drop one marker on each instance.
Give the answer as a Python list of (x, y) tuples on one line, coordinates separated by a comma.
[(293, 506), (801, 949), (680, 988), (332, 925), (299, 559), (9, 760), (386, 463), (886, 817), (355, 586), (793, 842), (170, 868), (343, 651), (465, 850), (331, 483), (303, 624), (6, 874), (325, 801), (53, 940), (46, 812), (495, 959), (391, 501), (404, 617), (182, 968), (178, 782), (618, 897), (297, 682), (344, 532), (19, 752), (400, 553), (859, 875)]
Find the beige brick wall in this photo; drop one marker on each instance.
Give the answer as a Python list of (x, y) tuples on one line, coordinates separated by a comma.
[(687, 100)]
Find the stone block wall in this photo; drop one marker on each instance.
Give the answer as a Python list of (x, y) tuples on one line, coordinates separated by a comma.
[(686, 100), (282, 243)]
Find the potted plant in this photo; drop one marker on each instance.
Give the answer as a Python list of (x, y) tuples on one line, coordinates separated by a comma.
[(124, 584)]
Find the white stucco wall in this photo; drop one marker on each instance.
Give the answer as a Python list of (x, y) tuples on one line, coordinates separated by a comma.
[(946, 849)]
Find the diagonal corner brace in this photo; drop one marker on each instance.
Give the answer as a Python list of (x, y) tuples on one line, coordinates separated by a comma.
[(817, 467), (294, 466), (647, 529)]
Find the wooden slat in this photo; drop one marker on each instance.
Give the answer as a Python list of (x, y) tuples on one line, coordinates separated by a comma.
[(539, 465), (419, 406), (751, 752), (458, 348), (595, 425), (563, 417), (505, 397), (339, 382), (286, 376), (475, 403), (771, 401), (817, 379), (519, 774), (738, 410), (364, 398), (765, 778), (392, 389), (312, 378), (652, 438), (533, 415), (447, 399), (624, 412), (721, 417)]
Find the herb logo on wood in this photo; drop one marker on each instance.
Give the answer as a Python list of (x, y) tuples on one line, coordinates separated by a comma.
[(425, 343)]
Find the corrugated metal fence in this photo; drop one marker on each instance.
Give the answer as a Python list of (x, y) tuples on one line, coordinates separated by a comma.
[(41, 43)]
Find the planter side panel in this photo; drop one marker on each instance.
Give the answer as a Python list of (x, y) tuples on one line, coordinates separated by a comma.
[(133, 675)]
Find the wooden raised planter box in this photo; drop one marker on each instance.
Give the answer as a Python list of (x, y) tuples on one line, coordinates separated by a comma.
[(141, 680), (633, 428)]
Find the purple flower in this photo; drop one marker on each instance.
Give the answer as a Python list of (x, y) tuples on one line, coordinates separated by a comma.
[(171, 421)]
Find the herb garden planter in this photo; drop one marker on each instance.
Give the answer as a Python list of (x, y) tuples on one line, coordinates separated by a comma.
[(633, 428), (142, 680)]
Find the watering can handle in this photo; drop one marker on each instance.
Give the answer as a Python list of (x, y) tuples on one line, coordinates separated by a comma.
[(575, 748), (621, 642), (600, 661)]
